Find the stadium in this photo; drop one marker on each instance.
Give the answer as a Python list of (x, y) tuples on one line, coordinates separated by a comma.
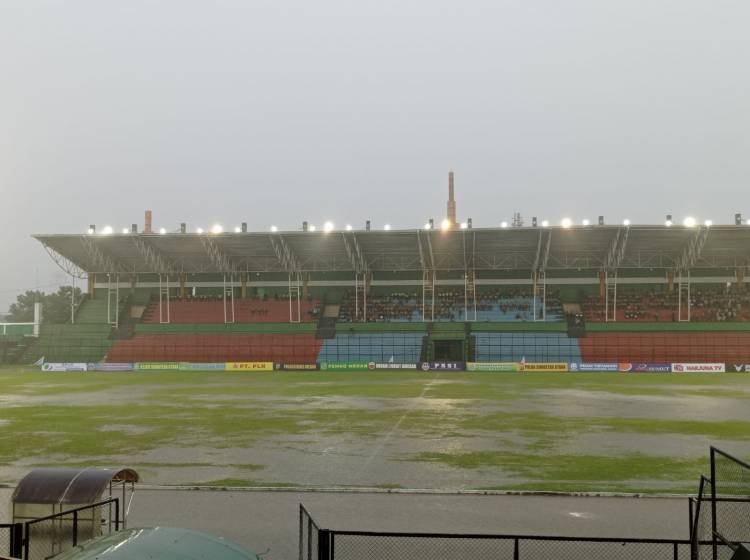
[(448, 361)]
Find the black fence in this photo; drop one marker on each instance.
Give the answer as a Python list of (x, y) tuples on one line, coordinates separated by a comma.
[(48, 536), (326, 544)]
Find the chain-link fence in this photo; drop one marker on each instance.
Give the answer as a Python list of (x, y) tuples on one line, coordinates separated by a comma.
[(730, 500), (324, 544)]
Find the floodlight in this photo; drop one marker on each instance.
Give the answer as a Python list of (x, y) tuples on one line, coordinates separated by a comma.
[(367, 225), (328, 227), (738, 219), (601, 220), (708, 223), (183, 227), (349, 227), (469, 223), (304, 226), (585, 222), (387, 227), (274, 229), (216, 228), (311, 228), (689, 222), (669, 222), (464, 225), (503, 224), (566, 223), (162, 231), (199, 230), (125, 230), (626, 222), (428, 226), (243, 227), (238, 229), (107, 230), (134, 228), (533, 221), (445, 224), (92, 229), (545, 223)]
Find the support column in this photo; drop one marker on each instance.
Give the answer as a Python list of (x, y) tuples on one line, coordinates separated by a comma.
[(91, 285), (183, 280), (670, 281), (243, 286), (602, 285)]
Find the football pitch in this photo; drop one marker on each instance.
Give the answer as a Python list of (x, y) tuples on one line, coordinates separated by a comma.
[(602, 432)]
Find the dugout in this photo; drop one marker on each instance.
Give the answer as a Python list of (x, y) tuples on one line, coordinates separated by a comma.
[(49, 491)]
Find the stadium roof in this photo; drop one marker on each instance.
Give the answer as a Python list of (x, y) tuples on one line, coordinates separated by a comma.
[(498, 249)]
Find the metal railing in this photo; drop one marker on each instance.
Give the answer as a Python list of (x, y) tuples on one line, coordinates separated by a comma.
[(326, 544)]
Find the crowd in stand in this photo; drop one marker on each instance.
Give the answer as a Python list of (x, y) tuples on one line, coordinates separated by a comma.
[(706, 304), (449, 304)]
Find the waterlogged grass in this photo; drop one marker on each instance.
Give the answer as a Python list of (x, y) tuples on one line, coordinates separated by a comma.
[(76, 419)]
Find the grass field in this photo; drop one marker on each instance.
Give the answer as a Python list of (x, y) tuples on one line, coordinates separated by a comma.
[(567, 432)]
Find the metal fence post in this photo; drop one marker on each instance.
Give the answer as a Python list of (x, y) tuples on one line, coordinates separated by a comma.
[(26, 541), (323, 542), (713, 503), (516, 552), (301, 529), (16, 540), (676, 555), (75, 528), (117, 514)]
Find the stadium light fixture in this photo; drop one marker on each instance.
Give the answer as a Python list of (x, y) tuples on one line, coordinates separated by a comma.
[(585, 222), (349, 227), (738, 219), (311, 228), (533, 221), (708, 223), (464, 225), (445, 224), (387, 227), (503, 224), (626, 222), (601, 220), (545, 223), (243, 227), (107, 230), (328, 227), (274, 229), (428, 226), (216, 228), (162, 231), (199, 230), (668, 221), (689, 222), (91, 230), (566, 223), (125, 231), (238, 229)]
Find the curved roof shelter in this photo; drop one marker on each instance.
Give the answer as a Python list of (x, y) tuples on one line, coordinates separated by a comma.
[(69, 486)]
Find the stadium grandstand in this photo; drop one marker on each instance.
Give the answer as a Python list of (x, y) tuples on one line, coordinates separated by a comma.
[(638, 293)]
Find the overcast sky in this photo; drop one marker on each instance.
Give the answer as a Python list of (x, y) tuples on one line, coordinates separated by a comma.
[(276, 111)]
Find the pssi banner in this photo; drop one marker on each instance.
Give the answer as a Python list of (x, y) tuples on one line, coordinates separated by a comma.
[(545, 366), (343, 366), (249, 366), (442, 366), (493, 366), (698, 368), (64, 366), (213, 366), (145, 366), (295, 367)]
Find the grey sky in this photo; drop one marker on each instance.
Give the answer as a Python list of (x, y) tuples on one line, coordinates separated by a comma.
[(277, 111)]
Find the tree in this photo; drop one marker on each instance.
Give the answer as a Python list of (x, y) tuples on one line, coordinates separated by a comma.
[(55, 306)]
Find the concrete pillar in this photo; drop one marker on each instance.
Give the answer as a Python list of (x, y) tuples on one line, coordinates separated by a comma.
[(243, 289), (670, 281), (183, 280), (91, 284), (602, 285)]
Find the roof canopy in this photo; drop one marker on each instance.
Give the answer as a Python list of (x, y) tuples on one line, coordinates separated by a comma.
[(68, 486), (525, 248)]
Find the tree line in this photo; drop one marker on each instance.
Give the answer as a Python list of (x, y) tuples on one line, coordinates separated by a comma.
[(55, 306)]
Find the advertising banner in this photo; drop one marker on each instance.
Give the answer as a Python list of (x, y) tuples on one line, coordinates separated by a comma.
[(141, 366), (697, 368), (212, 366), (105, 366), (390, 365), (738, 368), (590, 367), (493, 366), (295, 367), (545, 366), (652, 368), (66, 366), (343, 366), (442, 366), (249, 366)]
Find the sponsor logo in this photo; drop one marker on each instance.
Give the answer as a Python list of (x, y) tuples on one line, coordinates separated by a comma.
[(249, 366), (64, 366), (624, 367), (738, 368), (295, 367), (156, 365), (698, 368), (105, 366), (389, 365), (214, 366), (343, 366), (586, 366), (652, 368), (493, 366), (545, 366), (425, 366)]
